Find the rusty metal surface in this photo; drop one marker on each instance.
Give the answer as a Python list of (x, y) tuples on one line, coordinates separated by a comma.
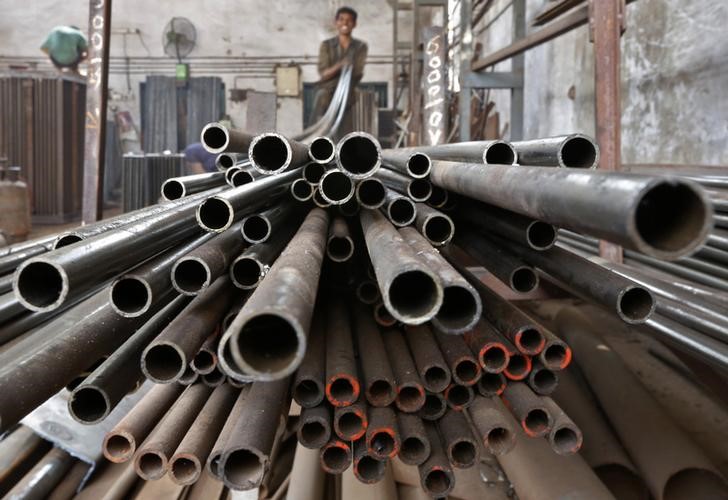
[(379, 382), (342, 378), (410, 392)]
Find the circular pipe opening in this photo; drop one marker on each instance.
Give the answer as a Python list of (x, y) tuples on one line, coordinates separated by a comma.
[(215, 214), (467, 371), (359, 155), (151, 465), (371, 193), (204, 361), (336, 458), (131, 296), (380, 393), (636, 305), (402, 212), (491, 384), (190, 275), (163, 363), (224, 161), (267, 343), (185, 470), (536, 421), (437, 482), (463, 453), (319, 200), (313, 172), (557, 355), (459, 396), (494, 358), (350, 425), (301, 190), (438, 229), (544, 381), (243, 468), (173, 189), (336, 187), (370, 469), (410, 398), (88, 404), (322, 149), (671, 219), (540, 235), (246, 272), (313, 433), (41, 285), (434, 407), (413, 295), (342, 390), (413, 450), (524, 280), (499, 440), (419, 190), (530, 340), (118, 448), (367, 292), (518, 366), (215, 137), (578, 152), (459, 311), (308, 393), (436, 378), (438, 197), (340, 249), (241, 178), (66, 240), (499, 153), (565, 441), (256, 228), (270, 153), (418, 165), (382, 315), (382, 443)]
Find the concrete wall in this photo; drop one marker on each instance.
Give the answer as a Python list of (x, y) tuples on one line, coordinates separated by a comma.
[(232, 28), (674, 80)]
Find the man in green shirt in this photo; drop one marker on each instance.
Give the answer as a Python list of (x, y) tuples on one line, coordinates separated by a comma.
[(334, 54), (66, 46)]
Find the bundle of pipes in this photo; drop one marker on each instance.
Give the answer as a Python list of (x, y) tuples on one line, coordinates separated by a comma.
[(331, 274)]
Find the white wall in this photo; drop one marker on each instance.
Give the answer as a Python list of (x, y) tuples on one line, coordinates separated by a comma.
[(233, 28)]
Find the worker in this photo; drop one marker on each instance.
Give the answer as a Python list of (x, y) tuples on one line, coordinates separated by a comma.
[(67, 47), (198, 160), (334, 54)]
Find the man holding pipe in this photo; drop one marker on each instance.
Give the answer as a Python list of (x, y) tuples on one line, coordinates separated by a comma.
[(334, 54)]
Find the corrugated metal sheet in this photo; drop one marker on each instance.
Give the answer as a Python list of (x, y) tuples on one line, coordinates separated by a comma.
[(143, 175)]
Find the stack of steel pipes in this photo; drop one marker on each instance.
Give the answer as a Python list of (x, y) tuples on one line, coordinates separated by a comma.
[(332, 274)]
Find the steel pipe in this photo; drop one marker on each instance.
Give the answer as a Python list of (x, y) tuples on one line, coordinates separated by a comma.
[(370, 193), (436, 475), (339, 244), (312, 173), (459, 397), (358, 155), (530, 410), (494, 424), (314, 428), (217, 138), (568, 151), (351, 421), (461, 446), (488, 152), (242, 176), (336, 187), (487, 344), (335, 456), (271, 153), (215, 456), (463, 365), (366, 467), (434, 407), (309, 381), (413, 164), (665, 217), (258, 227), (418, 190), (431, 366), (410, 392), (322, 150), (415, 444), (434, 225), (301, 190), (179, 187), (400, 210), (377, 375), (342, 379)]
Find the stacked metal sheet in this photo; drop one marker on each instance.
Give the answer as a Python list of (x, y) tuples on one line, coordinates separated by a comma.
[(143, 176)]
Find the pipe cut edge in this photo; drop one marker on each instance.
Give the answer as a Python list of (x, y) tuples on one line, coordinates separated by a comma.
[(270, 153)]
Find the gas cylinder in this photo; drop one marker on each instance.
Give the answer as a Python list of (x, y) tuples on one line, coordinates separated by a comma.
[(14, 205)]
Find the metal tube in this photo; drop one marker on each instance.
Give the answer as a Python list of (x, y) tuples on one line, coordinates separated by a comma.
[(358, 154), (367, 468), (179, 187), (217, 138), (133, 293), (564, 437), (542, 380), (488, 346), (308, 383), (488, 152), (100, 392), (339, 244), (379, 382), (368, 292), (665, 217), (410, 392), (415, 445), (312, 173), (276, 305), (250, 267), (42, 243), (434, 225), (322, 150), (382, 315), (382, 434), (165, 359), (205, 361), (491, 384), (185, 465), (494, 424), (460, 444), (188, 377), (400, 272), (271, 153), (351, 422), (6, 283), (10, 262), (301, 190), (335, 456), (10, 307), (121, 442), (459, 397), (342, 380), (664, 454), (230, 173), (336, 187), (712, 351), (258, 227), (431, 366), (213, 379), (436, 475), (152, 458), (40, 481), (463, 365), (370, 193), (400, 210), (217, 213), (213, 460), (242, 176), (224, 161), (529, 409), (461, 305), (413, 164), (247, 453), (508, 269), (569, 151), (434, 408), (61, 350), (416, 189), (314, 428), (439, 197), (489, 219), (633, 303)]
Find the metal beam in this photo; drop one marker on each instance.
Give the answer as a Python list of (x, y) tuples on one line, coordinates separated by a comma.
[(606, 24), (518, 66), (494, 80), (466, 56), (97, 83)]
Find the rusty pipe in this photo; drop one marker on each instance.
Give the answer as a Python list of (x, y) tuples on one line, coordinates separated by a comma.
[(494, 424), (217, 138), (379, 382), (566, 151), (400, 210), (431, 366), (410, 392)]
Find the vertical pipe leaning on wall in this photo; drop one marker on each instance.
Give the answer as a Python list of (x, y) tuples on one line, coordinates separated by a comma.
[(466, 56), (518, 68)]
